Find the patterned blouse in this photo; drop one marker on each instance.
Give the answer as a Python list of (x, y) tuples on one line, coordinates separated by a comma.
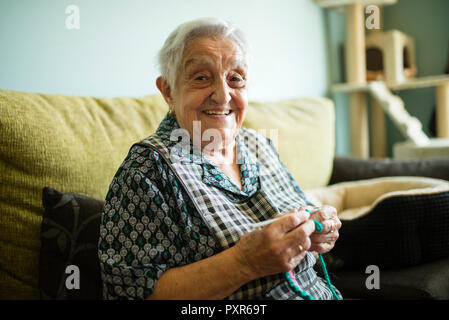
[(151, 224)]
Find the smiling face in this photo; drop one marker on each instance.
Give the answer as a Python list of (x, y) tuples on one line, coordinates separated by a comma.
[(211, 87)]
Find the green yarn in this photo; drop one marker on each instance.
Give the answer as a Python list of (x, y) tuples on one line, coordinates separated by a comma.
[(326, 275), (318, 226), (303, 294)]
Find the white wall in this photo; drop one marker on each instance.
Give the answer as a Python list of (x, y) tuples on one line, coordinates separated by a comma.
[(113, 53)]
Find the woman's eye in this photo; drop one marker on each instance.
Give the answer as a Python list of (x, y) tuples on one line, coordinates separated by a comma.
[(201, 78), (237, 81)]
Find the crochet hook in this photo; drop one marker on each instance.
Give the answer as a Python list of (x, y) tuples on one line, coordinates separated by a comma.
[(269, 221)]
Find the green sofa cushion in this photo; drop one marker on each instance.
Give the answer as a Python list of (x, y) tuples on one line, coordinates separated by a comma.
[(70, 143)]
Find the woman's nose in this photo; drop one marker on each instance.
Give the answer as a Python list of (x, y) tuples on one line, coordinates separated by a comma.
[(221, 95)]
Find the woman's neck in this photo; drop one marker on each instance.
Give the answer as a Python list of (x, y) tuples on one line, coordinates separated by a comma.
[(221, 155)]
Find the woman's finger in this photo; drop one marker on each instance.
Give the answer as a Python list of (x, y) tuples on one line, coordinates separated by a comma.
[(326, 212), (327, 237), (322, 247), (301, 235), (289, 221), (330, 226)]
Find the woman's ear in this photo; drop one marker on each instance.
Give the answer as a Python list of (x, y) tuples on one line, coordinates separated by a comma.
[(164, 88)]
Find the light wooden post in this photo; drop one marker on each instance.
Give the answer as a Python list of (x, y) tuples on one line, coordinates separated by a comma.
[(442, 110), (356, 74), (378, 127), (378, 130), (359, 125)]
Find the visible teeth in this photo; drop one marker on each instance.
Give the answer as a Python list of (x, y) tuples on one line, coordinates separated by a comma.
[(218, 112)]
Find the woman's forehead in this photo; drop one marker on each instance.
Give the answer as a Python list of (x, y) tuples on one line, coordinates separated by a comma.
[(206, 60), (210, 51)]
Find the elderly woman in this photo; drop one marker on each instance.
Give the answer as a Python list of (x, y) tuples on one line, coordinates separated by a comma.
[(180, 215)]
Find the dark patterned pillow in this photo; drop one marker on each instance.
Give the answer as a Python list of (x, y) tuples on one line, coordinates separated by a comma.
[(69, 266)]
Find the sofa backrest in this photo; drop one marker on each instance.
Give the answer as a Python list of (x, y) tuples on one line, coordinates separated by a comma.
[(76, 144)]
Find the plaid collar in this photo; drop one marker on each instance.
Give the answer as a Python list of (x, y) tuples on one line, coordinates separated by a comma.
[(184, 150)]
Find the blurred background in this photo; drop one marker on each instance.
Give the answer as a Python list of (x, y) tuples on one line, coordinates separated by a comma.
[(297, 47)]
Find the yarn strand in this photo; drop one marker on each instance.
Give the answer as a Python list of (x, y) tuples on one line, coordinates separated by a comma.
[(293, 284)]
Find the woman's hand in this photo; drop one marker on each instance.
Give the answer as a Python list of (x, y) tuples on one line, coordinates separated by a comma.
[(279, 247), (324, 241)]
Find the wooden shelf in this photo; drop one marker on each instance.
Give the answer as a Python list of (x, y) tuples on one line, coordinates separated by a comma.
[(412, 83), (423, 82), (342, 3)]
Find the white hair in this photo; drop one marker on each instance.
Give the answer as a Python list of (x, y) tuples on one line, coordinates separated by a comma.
[(171, 55)]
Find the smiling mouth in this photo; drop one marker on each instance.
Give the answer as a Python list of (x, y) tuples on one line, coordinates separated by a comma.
[(217, 113)]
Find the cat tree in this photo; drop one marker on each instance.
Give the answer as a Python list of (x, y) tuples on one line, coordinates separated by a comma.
[(396, 72), (390, 56)]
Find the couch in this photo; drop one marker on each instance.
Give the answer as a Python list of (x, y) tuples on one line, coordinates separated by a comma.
[(423, 278), (58, 154)]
